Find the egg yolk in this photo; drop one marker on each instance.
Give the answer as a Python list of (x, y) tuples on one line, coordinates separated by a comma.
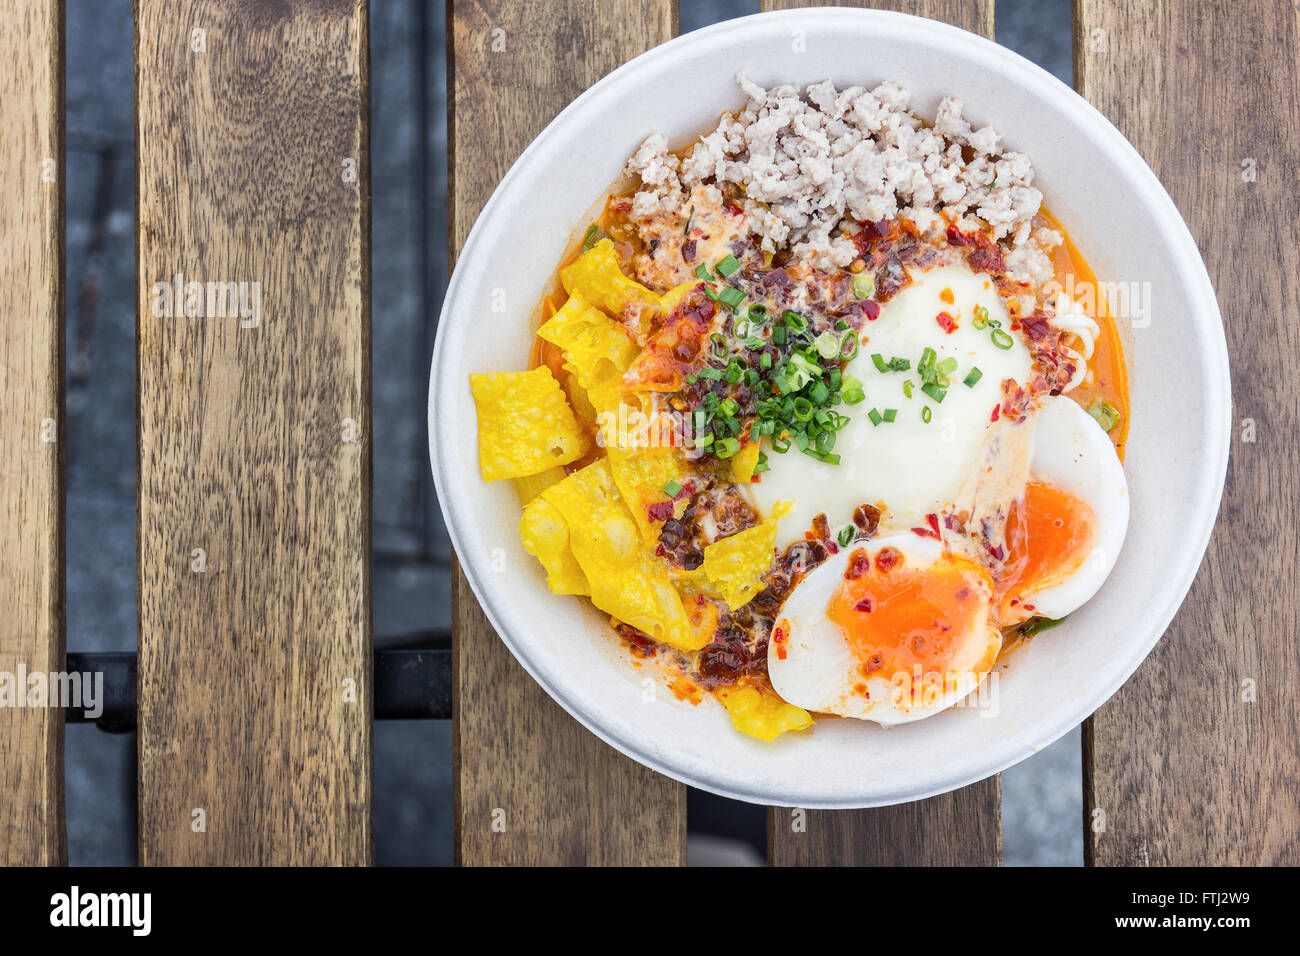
[(897, 618), (1049, 536)]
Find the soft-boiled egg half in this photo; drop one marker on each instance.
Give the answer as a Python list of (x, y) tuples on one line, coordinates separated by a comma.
[(892, 630), (1031, 517)]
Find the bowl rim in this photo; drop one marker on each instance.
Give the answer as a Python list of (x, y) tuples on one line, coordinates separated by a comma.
[(1203, 508)]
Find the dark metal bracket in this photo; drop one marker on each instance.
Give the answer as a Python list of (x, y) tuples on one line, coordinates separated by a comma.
[(412, 681)]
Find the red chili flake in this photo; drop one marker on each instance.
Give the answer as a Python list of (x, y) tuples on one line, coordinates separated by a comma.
[(930, 532), (998, 553), (734, 209), (859, 564), (872, 308), (956, 237), (888, 559), (832, 547), (874, 663), (864, 605), (1030, 608), (996, 410), (781, 652), (946, 322), (660, 511)]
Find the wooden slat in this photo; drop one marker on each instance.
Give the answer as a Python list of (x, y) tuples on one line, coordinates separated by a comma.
[(255, 672), (567, 797), (1184, 769), (31, 425), (959, 828), (973, 15)]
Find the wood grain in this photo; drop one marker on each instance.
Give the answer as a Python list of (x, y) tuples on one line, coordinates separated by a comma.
[(1183, 768), (973, 15), (254, 440), (563, 796), (953, 829), (31, 425)]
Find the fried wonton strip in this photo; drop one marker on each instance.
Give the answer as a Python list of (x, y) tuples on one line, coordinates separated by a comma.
[(641, 476), (626, 580), (675, 296), (595, 277), (546, 537), (530, 486), (761, 715), (733, 568), (525, 424), (596, 348)]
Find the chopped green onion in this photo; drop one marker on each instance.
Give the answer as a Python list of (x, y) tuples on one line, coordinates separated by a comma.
[(875, 416), (762, 465), (849, 346), (593, 236), (727, 447), (827, 345), (794, 321), (981, 317), (726, 265), (757, 314), (1001, 339), (1105, 414), (852, 392), (803, 409), (821, 456), (765, 361), (946, 367), (846, 535), (712, 374), (973, 376), (779, 445), (879, 362), (899, 365), (1037, 624), (926, 414), (907, 388), (890, 414), (864, 285), (702, 272), (731, 296), (934, 391), (672, 488), (778, 335)]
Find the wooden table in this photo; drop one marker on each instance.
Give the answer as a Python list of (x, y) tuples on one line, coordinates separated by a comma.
[(255, 696)]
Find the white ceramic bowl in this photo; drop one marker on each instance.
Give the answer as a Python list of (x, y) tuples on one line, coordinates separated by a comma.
[(1116, 211)]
